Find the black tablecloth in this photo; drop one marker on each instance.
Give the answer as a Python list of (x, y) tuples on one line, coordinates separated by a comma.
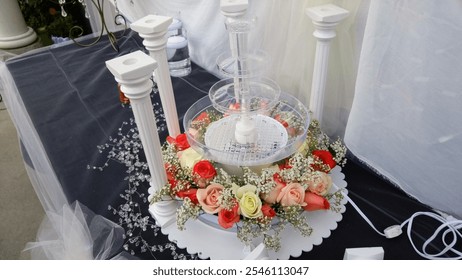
[(73, 102)]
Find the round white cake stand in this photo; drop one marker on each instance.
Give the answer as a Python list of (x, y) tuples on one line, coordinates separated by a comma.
[(208, 240)]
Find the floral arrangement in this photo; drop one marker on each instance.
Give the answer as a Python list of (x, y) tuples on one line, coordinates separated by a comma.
[(258, 203)]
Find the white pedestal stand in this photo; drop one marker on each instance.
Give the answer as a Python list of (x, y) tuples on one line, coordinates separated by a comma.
[(133, 71), (207, 239), (14, 33), (325, 18), (153, 30)]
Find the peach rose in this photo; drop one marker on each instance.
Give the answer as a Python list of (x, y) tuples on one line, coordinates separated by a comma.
[(292, 194), (320, 183), (272, 196), (208, 198), (315, 202)]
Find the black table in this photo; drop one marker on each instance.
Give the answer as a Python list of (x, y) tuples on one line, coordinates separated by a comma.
[(73, 102)]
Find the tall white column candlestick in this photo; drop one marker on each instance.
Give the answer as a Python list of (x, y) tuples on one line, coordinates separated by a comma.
[(14, 33), (325, 18), (133, 71), (153, 30)]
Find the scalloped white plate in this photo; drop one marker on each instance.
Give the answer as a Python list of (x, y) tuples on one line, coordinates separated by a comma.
[(210, 241)]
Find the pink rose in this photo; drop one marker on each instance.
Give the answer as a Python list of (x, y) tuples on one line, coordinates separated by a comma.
[(292, 194), (272, 196), (208, 198), (320, 183), (315, 202), (227, 218)]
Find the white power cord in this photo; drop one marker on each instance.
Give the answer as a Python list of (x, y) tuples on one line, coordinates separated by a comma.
[(450, 228)]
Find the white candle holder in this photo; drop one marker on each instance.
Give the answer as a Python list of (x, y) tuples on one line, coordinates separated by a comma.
[(133, 71), (325, 18), (153, 30)]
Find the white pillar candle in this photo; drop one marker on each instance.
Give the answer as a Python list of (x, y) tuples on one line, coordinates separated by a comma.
[(133, 72), (325, 18), (14, 33), (153, 30)]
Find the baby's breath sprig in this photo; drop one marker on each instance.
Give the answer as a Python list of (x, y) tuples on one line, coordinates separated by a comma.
[(161, 194), (250, 177), (227, 199), (266, 183), (339, 151), (186, 211), (335, 200), (293, 215), (223, 178)]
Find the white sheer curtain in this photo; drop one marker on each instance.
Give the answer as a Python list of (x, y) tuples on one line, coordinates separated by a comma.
[(406, 117)]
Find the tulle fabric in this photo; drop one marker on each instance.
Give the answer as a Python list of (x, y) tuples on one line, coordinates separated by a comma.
[(76, 233), (44, 181)]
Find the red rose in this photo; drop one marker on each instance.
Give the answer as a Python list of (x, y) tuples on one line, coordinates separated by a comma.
[(172, 183), (326, 157), (180, 142), (315, 202), (281, 120), (268, 211), (203, 117), (227, 218), (191, 193), (170, 170), (284, 165), (203, 172)]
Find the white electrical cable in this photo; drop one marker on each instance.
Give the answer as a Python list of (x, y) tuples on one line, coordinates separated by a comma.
[(449, 224)]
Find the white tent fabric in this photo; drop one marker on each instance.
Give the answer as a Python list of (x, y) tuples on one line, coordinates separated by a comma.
[(405, 119)]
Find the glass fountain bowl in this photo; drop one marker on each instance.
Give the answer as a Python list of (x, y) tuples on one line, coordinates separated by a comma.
[(281, 128)]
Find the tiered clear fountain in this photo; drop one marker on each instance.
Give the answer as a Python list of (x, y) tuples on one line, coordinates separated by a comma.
[(245, 121), (248, 116)]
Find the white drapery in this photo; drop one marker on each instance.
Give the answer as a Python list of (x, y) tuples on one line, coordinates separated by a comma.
[(67, 231), (404, 121)]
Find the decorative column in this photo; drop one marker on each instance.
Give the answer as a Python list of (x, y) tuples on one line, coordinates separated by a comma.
[(133, 71), (153, 30), (14, 33), (325, 18)]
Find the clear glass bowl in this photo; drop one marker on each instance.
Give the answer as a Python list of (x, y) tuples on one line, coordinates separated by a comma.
[(287, 113), (260, 95)]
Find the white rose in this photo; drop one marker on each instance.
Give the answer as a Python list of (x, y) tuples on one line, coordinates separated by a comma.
[(247, 188), (188, 158)]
